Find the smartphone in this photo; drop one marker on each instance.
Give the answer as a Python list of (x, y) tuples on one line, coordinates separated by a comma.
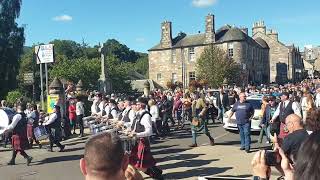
[(272, 158)]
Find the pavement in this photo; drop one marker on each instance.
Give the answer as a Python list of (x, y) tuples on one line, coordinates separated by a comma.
[(172, 154)]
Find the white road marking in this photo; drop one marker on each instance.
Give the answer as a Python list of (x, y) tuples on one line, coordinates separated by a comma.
[(222, 135)]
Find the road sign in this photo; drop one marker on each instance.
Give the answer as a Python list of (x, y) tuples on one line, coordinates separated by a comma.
[(44, 53), (28, 78), (52, 100)]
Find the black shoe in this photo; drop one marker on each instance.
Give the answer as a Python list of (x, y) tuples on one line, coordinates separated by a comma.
[(62, 148), (11, 163), (212, 142), (29, 159), (193, 145), (247, 150), (242, 148), (50, 150), (40, 146)]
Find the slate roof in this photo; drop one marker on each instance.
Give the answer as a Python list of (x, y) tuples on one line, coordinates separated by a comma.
[(224, 34), (262, 43)]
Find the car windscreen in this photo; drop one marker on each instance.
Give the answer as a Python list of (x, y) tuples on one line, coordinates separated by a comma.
[(255, 103)]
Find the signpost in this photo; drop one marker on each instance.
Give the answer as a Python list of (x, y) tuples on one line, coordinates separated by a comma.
[(44, 54), (28, 78)]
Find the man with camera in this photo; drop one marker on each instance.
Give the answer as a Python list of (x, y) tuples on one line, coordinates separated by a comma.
[(296, 135), (285, 156)]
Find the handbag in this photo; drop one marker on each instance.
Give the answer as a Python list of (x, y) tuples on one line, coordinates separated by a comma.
[(196, 122)]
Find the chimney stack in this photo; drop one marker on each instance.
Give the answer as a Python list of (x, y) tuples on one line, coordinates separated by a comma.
[(166, 34), (210, 31), (258, 27), (273, 34)]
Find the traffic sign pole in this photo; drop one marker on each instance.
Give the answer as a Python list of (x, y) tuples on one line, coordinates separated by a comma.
[(41, 87), (46, 71)]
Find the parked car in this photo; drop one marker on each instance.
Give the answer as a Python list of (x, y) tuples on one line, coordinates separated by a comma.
[(255, 101)]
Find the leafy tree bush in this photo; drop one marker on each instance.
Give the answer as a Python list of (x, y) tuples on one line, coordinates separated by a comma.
[(13, 96), (214, 66)]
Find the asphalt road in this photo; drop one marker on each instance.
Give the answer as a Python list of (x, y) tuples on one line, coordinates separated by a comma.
[(65, 165)]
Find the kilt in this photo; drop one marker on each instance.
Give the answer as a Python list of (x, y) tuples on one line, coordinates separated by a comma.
[(282, 133), (29, 131), (55, 134), (141, 156), (19, 142)]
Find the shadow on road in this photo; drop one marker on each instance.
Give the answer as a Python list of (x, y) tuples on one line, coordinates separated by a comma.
[(167, 151), (206, 171), (233, 142), (178, 157), (187, 163), (58, 159)]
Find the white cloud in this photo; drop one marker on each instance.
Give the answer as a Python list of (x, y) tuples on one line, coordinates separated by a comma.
[(203, 3), (140, 40), (63, 17)]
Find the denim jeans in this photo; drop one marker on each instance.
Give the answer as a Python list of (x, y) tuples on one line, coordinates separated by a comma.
[(265, 130), (245, 132), (203, 128), (220, 113)]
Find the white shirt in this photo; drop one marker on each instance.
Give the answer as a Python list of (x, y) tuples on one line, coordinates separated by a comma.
[(154, 111), (147, 123), (132, 116), (304, 103), (318, 100), (51, 119), (94, 109), (16, 118), (79, 108), (31, 117), (114, 112), (295, 107)]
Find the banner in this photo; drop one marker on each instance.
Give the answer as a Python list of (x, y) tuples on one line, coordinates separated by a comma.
[(51, 101)]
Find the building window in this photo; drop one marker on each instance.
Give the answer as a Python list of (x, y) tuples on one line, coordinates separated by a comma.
[(192, 54), (173, 56), (192, 76), (230, 49), (158, 76), (174, 77)]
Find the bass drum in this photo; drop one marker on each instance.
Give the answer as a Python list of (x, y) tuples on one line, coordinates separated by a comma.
[(6, 116)]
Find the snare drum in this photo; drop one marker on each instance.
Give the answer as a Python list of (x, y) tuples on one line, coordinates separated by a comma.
[(98, 128), (41, 133), (127, 143)]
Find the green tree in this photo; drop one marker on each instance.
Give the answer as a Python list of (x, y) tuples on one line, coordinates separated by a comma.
[(68, 48), (74, 70), (120, 51), (214, 66), (11, 44), (142, 65)]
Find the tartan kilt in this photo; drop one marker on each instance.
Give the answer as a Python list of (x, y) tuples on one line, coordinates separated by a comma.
[(29, 131), (19, 142), (141, 156), (55, 134), (282, 133)]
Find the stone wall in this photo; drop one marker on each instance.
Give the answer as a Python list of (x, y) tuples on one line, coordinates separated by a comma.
[(162, 62), (278, 53)]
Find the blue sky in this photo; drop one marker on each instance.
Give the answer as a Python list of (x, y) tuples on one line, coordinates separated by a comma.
[(136, 23)]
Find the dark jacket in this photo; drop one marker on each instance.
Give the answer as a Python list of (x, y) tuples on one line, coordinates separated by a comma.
[(225, 101)]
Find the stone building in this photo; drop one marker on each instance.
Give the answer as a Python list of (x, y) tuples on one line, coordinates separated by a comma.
[(312, 55), (286, 63), (174, 59)]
